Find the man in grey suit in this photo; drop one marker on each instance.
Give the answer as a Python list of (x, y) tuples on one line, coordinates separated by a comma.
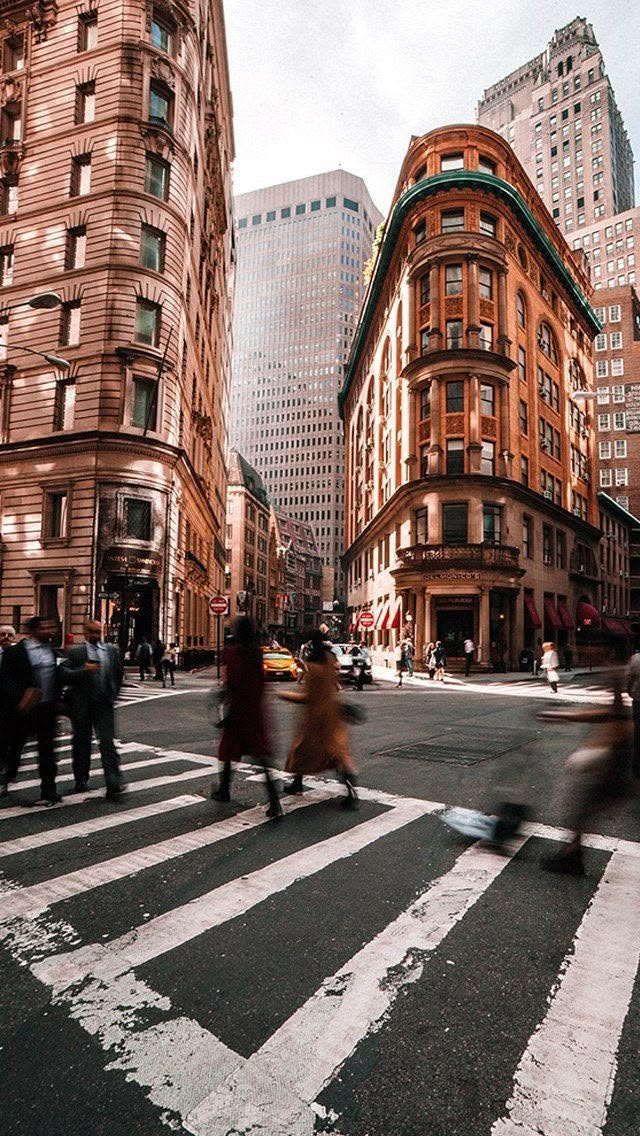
[(93, 672)]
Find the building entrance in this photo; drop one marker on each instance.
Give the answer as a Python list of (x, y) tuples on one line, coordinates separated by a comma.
[(453, 626), (133, 609)]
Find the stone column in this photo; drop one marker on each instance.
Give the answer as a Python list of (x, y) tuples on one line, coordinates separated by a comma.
[(435, 449), (409, 348), (435, 331), (504, 343), (427, 633), (484, 630), (419, 631), (475, 432), (505, 457), (473, 301)]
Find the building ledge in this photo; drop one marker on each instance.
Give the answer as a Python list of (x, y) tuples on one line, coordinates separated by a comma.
[(483, 555)]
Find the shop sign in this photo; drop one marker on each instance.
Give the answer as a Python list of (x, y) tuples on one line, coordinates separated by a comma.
[(455, 601), (451, 574), (131, 562)]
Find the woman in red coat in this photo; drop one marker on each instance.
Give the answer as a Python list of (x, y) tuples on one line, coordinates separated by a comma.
[(244, 729)]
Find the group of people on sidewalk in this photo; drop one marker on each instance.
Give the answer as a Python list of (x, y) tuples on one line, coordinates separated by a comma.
[(164, 660), (321, 742), (38, 683)]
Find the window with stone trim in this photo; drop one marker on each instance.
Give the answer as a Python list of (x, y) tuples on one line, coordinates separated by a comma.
[(137, 518)]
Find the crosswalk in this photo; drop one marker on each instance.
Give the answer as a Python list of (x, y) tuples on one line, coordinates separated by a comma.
[(135, 692), (242, 976)]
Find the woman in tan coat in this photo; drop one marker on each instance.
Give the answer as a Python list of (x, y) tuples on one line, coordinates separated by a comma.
[(322, 741)]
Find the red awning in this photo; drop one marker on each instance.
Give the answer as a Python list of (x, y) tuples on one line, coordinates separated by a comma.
[(381, 616), (627, 626), (565, 615), (587, 614), (616, 626), (395, 615), (531, 615), (552, 616)]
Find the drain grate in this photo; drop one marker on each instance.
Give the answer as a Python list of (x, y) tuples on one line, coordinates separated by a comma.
[(463, 745)]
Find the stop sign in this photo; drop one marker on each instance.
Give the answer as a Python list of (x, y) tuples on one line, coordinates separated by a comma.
[(219, 605), (366, 619)]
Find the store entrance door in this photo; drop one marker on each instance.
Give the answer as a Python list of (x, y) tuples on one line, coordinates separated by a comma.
[(134, 613), (454, 625)]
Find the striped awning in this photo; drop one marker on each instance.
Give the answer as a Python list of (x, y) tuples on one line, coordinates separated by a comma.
[(565, 615), (381, 616), (394, 619)]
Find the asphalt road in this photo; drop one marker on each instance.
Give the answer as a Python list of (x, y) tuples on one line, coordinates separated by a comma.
[(172, 965)]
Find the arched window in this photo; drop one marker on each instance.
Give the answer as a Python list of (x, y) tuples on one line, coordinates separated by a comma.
[(521, 310), (386, 357), (547, 343)]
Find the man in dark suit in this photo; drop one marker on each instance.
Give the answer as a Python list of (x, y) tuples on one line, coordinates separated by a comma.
[(7, 638), (93, 672), (30, 692)]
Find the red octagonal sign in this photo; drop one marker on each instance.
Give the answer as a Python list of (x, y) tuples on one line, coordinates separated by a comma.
[(218, 605), (366, 619)]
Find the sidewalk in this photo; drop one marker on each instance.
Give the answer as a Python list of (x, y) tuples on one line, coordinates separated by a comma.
[(388, 674)]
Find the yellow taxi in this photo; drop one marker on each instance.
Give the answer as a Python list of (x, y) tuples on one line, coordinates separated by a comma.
[(279, 663)]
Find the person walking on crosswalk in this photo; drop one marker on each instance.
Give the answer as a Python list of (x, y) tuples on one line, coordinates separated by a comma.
[(30, 693), (244, 725), (93, 672), (322, 742)]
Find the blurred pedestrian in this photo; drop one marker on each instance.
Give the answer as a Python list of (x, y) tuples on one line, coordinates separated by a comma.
[(93, 673), (440, 660), (550, 663), (143, 657), (537, 658), (30, 692), (400, 661), (469, 652), (244, 724), (596, 773), (409, 655), (633, 690), (169, 660), (157, 655), (322, 740), (429, 661), (7, 638), (568, 657)]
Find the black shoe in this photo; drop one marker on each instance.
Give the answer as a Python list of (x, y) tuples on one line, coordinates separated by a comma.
[(295, 786), (79, 787), (220, 795), (49, 799), (4, 789), (274, 812), (114, 794)]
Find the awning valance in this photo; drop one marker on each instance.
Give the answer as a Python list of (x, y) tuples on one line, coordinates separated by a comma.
[(565, 615), (552, 616), (381, 616), (615, 626), (395, 615), (531, 615), (588, 615)]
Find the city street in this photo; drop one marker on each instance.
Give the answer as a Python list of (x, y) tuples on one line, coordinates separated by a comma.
[(170, 964)]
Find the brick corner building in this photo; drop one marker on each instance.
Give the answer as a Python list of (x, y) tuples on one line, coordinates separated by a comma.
[(115, 162), (471, 502), (248, 517)]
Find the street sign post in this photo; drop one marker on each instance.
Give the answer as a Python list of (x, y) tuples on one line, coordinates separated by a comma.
[(366, 620), (218, 606)]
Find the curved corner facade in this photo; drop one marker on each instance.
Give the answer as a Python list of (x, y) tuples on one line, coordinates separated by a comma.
[(471, 504), (115, 193)]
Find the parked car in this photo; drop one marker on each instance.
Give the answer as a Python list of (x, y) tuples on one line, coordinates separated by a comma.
[(278, 663), (343, 653)]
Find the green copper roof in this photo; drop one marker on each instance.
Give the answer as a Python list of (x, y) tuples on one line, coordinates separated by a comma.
[(465, 179)]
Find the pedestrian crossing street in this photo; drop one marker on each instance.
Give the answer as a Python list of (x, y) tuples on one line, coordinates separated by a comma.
[(244, 976), (579, 690)]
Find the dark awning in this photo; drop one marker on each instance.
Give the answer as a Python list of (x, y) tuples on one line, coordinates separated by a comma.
[(530, 613), (565, 615), (552, 615), (616, 626), (587, 614)]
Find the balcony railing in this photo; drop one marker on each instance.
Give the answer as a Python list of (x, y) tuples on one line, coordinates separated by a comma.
[(483, 555)]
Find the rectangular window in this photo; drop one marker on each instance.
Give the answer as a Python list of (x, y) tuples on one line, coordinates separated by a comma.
[(271, 215), (602, 368), (330, 203), (64, 405), (620, 447), (451, 162), (454, 334), (76, 247), (615, 313), (616, 340), (604, 422), (160, 104), (606, 478), (424, 461), (300, 209), (147, 325), (6, 265), (56, 517), (144, 408), (285, 213), (87, 31), (604, 450), (622, 477), (160, 32), (420, 232), (561, 549), (152, 243), (488, 224), (618, 393), (137, 519), (156, 179), (424, 340), (425, 289), (603, 396), (422, 526), (455, 455), (452, 221), (487, 399), (454, 524), (619, 421), (524, 470), (454, 397), (85, 102), (492, 524), (527, 537), (601, 342), (486, 283), (315, 206), (13, 55), (524, 418), (69, 334), (453, 280), (617, 367), (488, 458), (486, 336), (425, 403), (522, 364), (80, 175), (485, 165), (547, 545), (352, 205)]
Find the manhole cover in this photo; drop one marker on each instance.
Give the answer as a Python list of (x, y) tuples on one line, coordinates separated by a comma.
[(463, 745)]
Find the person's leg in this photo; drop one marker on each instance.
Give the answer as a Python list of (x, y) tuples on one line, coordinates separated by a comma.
[(17, 731), (223, 792), (274, 808), (104, 722), (81, 748), (295, 785), (142, 670), (349, 779), (45, 722)]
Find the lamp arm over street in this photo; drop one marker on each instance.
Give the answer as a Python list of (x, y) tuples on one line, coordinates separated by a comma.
[(54, 360)]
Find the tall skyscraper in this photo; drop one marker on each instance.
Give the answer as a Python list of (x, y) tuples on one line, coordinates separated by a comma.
[(560, 115), (302, 247)]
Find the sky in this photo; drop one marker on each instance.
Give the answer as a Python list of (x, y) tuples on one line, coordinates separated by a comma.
[(318, 84)]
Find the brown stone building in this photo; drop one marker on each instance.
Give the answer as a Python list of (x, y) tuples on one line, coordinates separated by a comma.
[(295, 600), (471, 504), (618, 529), (115, 194), (247, 576)]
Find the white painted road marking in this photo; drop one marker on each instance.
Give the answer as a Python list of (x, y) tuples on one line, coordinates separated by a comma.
[(304, 1055), (565, 1078)]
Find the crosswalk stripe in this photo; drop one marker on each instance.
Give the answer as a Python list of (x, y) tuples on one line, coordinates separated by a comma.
[(582, 1027), (95, 824), (122, 747), (162, 760), (30, 901), (181, 924), (317, 1039), (13, 811)]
